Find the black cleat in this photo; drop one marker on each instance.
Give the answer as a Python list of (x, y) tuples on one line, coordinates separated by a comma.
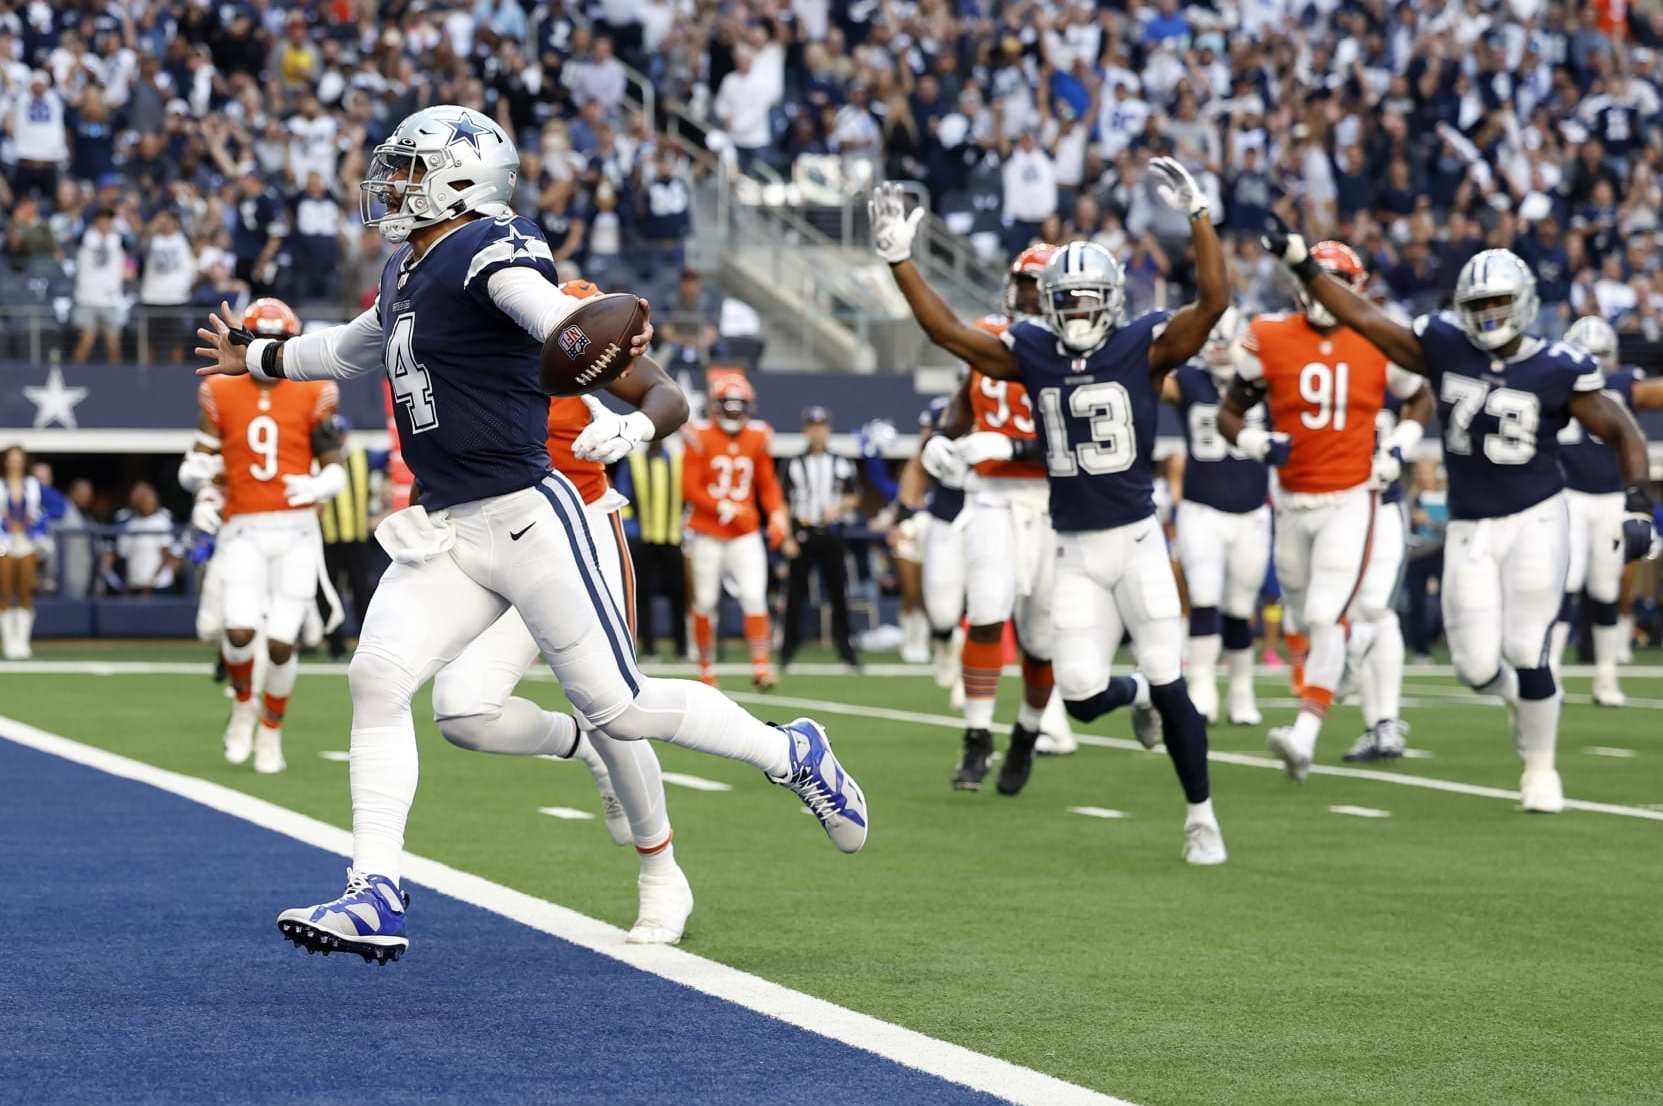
[(972, 769), (1019, 761)]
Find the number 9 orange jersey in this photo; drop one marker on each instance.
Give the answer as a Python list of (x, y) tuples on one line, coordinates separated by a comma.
[(265, 434)]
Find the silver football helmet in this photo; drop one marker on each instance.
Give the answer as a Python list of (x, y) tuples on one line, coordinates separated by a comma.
[(1218, 353), (1081, 293), (439, 163), (1495, 298), (1594, 336)]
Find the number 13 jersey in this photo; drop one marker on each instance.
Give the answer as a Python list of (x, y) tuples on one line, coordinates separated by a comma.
[(1323, 390), (1096, 413)]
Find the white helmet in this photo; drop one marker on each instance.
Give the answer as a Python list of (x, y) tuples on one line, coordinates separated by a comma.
[(1495, 275), (1081, 293), (439, 163), (1594, 336), (1218, 353)]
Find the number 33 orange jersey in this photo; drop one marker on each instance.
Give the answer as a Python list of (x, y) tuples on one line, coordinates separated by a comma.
[(265, 434), (723, 475)]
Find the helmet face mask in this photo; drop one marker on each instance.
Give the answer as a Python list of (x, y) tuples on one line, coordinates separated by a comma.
[(1594, 336), (440, 163), (1495, 298), (732, 399), (1341, 262), (1081, 294)]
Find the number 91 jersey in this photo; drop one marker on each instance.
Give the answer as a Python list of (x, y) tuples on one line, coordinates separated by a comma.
[(265, 434), (1501, 419), (1097, 415)]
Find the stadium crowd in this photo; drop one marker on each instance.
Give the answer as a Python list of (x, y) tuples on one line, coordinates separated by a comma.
[(162, 154)]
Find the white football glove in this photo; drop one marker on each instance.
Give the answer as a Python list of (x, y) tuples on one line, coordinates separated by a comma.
[(984, 445), (208, 514), (893, 227), (1387, 468), (303, 491), (726, 511), (1175, 188), (610, 436), (198, 468), (942, 461)]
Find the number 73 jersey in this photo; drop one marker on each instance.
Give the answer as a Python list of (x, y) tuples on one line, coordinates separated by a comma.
[(1324, 391), (265, 434)]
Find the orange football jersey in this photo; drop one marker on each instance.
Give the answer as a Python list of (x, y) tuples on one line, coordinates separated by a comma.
[(1003, 407), (265, 434), (567, 418), (1323, 391), (736, 468)]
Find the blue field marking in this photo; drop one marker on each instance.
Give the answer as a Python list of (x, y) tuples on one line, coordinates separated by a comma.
[(142, 964)]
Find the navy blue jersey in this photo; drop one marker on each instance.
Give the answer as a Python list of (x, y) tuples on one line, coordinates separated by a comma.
[(1590, 464), (1501, 419), (1097, 415), (472, 421), (1218, 474), (1391, 412)]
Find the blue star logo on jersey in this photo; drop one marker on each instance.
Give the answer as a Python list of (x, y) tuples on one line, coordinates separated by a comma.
[(463, 129), (521, 241)]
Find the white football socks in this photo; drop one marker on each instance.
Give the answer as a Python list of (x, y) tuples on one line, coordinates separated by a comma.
[(638, 781), (694, 716), (280, 678), (382, 768)]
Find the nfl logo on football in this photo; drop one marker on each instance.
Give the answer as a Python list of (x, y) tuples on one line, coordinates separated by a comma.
[(573, 341)]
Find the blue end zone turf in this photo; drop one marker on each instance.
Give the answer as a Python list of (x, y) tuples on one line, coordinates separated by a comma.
[(142, 963)]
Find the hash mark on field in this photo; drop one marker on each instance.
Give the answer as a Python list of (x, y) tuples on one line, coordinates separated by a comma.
[(1097, 812), (1359, 811), (566, 813), (1609, 751), (340, 755), (697, 783), (1416, 754)]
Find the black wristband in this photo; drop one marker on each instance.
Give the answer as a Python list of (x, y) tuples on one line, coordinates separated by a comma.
[(1307, 270), (1026, 449), (1636, 500), (268, 360)]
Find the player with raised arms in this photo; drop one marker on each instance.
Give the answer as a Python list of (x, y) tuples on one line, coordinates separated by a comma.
[(1096, 384), (1503, 397), (465, 307)]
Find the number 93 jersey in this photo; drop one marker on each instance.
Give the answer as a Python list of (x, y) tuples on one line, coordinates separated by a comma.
[(1501, 419), (265, 434), (1097, 415), (1002, 407), (472, 421)]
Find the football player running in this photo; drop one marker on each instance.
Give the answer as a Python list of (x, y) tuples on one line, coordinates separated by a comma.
[(1009, 547), (1223, 530), (465, 305), (261, 436), (728, 469), (1503, 397), (938, 536), (1097, 384), (1324, 386), (473, 701)]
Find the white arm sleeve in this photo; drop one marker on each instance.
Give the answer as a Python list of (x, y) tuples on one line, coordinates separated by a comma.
[(1402, 383), (336, 353), (527, 297)]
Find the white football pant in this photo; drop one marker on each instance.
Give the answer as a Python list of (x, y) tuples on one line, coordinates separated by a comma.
[(1596, 566), (1224, 556), (944, 568), (270, 569), (741, 562), (1010, 560), (1322, 547), (1375, 648), (1109, 581)]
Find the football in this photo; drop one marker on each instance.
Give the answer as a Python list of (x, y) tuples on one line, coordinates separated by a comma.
[(590, 348)]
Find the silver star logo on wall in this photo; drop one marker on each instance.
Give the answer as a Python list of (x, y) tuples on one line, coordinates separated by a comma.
[(54, 402)]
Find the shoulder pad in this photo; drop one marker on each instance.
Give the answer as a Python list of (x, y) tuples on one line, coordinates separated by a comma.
[(500, 245)]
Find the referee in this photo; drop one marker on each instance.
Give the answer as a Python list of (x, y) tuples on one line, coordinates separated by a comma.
[(348, 556), (822, 490)]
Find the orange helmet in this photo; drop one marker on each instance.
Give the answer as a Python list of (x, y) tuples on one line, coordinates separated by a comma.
[(1341, 262), (1026, 267), (270, 317), (732, 396)]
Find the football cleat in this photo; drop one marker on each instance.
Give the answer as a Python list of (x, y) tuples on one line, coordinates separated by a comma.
[(763, 679), (1606, 691), (268, 750), (1540, 791), (1018, 764), (1243, 709), (1295, 757), (1391, 737), (830, 793), (239, 731), (666, 901), (973, 763), (1057, 745), (1056, 734), (368, 919), (1203, 843)]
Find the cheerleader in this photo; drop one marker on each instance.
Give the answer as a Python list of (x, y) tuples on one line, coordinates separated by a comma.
[(22, 534)]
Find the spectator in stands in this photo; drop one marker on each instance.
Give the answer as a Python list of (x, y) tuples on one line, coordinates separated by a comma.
[(315, 243), (147, 548), (664, 211), (165, 289), (29, 238), (100, 272), (688, 327), (76, 544), (258, 232), (1030, 177), (40, 141), (598, 78), (743, 103)]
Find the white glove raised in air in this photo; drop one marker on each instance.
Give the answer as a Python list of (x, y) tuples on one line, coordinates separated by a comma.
[(610, 436), (893, 227), (1175, 188), (984, 445), (942, 461), (303, 491), (198, 468)]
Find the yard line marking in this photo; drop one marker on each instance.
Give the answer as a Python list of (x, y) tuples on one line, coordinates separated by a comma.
[(1097, 812), (1416, 754), (1359, 811), (907, 1047), (1609, 751), (697, 783), (566, 813), (340, 755), (1246, 760)]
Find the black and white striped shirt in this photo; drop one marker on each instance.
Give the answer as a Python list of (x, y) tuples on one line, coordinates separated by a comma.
[(816, 483)]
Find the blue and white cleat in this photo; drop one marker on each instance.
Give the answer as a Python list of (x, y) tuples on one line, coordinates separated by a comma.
[(368, 919), (830, 793)]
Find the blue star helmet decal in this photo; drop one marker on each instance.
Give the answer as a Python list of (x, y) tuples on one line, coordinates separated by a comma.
[(464, 129)]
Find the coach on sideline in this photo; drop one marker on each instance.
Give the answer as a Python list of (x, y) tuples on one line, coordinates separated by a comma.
[(822, 490)]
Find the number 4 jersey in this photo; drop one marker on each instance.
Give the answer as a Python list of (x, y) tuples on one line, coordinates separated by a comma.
[(265, 434), (1097, 415), (1501, 419)]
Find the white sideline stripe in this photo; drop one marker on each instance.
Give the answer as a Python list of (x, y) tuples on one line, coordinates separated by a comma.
[(697, 783), (906, 1047), (1245, 760), (1097, 812), (1359, 811), (1609, 751), (566, 813)]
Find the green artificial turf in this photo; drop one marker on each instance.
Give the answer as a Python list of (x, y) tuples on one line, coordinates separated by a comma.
[(1456, 951)]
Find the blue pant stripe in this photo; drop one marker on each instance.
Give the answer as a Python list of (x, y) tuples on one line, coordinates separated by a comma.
[(588, 570), (569, 491)]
